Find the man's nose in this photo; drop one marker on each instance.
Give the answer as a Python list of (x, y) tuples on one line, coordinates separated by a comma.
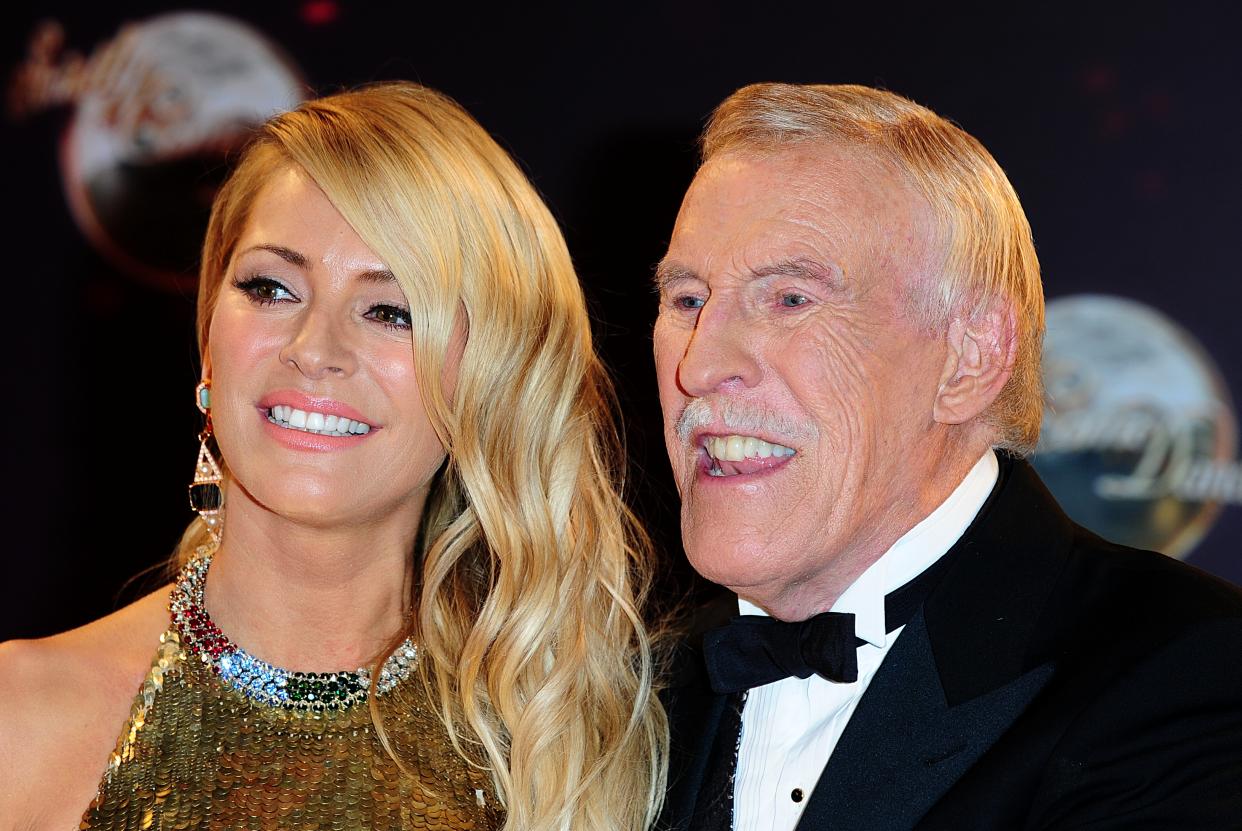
[(720, 355), (319, 346)]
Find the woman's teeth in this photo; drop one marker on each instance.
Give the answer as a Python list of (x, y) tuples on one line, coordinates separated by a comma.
[(313, 422), (737, 448)]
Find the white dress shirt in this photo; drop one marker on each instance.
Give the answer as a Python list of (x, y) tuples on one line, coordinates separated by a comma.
[(790, 727)]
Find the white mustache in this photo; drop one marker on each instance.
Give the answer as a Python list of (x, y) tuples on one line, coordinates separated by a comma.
[(739, 416)]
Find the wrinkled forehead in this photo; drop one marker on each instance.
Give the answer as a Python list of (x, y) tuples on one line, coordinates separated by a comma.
[(843, 207)]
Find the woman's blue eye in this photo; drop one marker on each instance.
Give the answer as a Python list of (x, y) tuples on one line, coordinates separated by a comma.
[(391, 316), (793, 300), (264, 290)]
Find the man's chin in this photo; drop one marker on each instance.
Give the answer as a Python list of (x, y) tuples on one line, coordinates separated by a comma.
[(719, 560)]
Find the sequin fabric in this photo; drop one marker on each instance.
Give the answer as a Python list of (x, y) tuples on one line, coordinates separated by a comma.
[(199, 754)]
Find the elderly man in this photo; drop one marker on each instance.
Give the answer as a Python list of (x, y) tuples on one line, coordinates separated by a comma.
[(848, 355)]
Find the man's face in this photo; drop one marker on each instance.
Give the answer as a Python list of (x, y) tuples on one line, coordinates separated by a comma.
[(797, 391)]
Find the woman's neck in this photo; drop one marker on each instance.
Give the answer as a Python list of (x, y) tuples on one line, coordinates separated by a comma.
[(311, 599)]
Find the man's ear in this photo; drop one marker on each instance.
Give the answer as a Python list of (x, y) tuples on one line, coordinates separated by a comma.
[(978, 362)]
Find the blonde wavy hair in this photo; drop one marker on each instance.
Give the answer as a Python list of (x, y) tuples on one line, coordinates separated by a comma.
[(530, 569), (988, 251)]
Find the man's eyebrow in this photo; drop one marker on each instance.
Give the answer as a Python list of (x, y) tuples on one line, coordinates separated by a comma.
[(287, 254), (667, 272), (803, 269)]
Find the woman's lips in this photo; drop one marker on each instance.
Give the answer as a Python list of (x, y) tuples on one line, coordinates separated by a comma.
[(302, 440), (309, 403)]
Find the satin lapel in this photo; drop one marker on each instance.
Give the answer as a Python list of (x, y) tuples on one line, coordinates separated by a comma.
[(694, 716), (984, 619), (961, 672), (905, 746)]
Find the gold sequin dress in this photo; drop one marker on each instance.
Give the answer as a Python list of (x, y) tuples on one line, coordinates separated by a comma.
[(198, 753)]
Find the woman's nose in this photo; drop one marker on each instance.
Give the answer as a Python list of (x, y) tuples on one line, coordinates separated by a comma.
[(320, 346)]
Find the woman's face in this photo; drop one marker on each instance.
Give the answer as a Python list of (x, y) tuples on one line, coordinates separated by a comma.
[(314, 399)]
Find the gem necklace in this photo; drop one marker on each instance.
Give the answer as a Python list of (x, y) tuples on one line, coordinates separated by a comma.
[(259, 680)]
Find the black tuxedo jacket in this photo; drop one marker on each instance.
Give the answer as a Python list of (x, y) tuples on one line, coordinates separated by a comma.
[(1052, 680)]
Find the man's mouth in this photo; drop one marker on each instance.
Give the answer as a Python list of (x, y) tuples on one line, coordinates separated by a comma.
[(734, 455), (311, 421)]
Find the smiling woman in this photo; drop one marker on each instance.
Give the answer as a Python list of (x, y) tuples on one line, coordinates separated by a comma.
[(414, 599), (310, 325)]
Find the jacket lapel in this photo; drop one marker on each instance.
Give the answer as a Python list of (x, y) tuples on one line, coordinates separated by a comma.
[(905, 746), (694, 713), (960, 673), (696, 720)]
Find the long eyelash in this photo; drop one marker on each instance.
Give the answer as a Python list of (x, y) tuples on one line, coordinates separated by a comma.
[(248, 285), (393, 326)]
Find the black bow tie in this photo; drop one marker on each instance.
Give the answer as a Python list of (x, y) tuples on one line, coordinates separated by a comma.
[(751, 650)]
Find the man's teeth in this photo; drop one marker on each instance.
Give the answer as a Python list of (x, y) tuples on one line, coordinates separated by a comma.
[(737, 448), (313, 422)]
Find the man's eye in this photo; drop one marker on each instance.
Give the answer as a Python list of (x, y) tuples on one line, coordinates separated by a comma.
[(391, 316), (264, 290), (688, 301), (793, 300)]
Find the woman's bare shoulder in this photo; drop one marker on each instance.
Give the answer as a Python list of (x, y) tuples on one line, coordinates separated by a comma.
[(66, 699)]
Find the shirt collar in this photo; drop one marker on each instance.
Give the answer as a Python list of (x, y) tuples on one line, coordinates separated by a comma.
[(917, 549)]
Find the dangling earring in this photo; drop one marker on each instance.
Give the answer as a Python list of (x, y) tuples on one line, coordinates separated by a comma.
[(205, 494)]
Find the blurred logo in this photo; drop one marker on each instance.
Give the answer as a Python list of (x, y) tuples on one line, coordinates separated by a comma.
[(158, 109), (1139, 431)]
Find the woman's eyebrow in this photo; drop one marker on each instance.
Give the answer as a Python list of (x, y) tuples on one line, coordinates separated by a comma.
[(373, 275), (379, 275), (287, 254)]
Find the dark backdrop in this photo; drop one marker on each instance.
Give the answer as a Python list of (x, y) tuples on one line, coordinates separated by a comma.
[(1118, 125)]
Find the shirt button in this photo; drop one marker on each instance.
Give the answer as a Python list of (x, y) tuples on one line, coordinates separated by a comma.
[(796, 796)]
